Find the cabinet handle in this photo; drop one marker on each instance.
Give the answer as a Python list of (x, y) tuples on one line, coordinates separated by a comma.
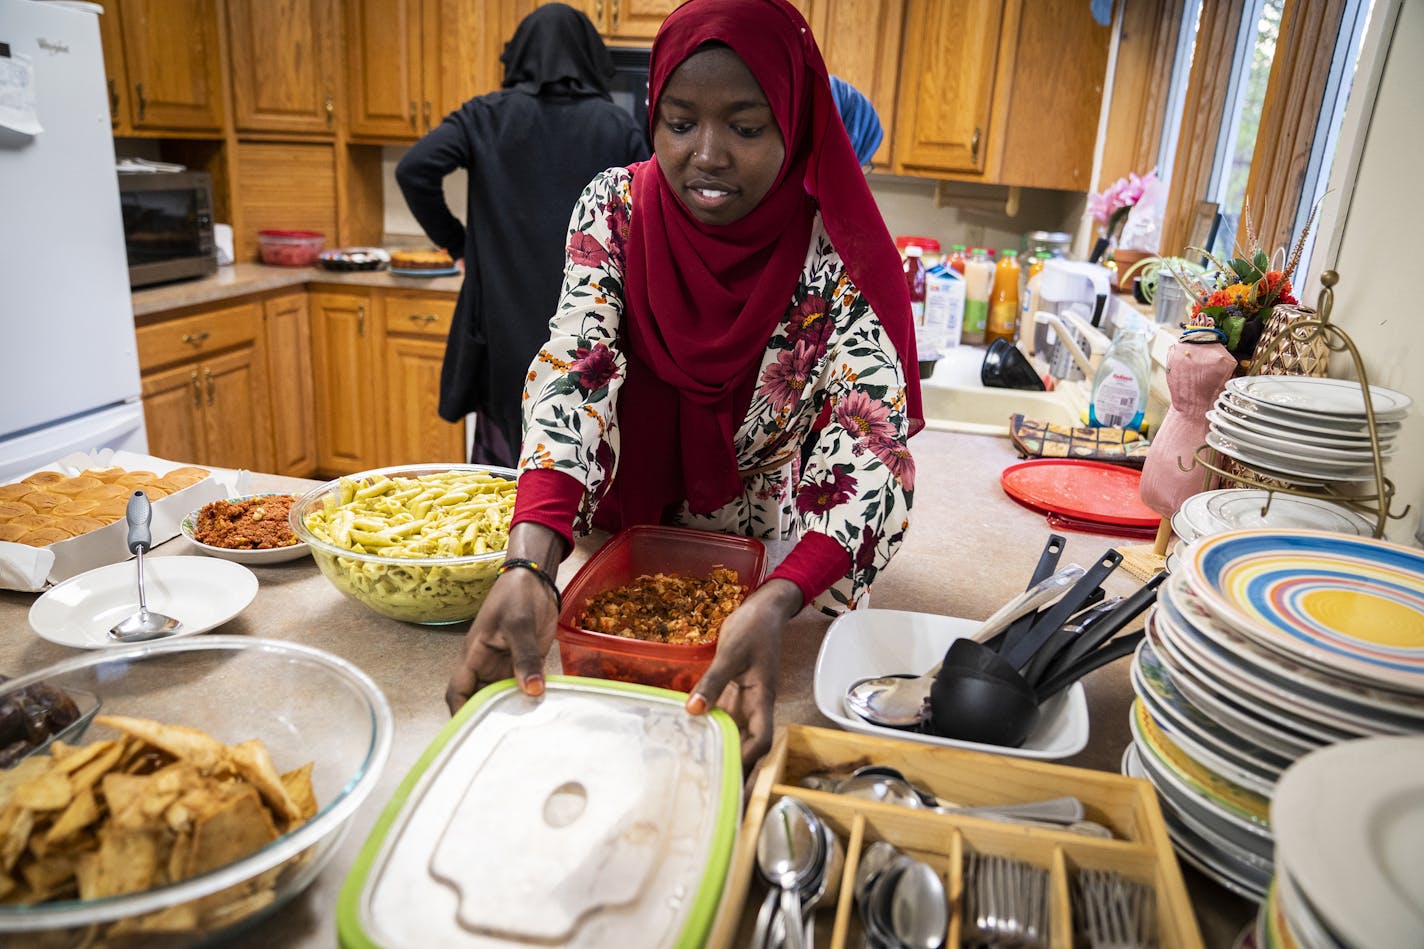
[(426, 111), (598, 12), (360, 321), (113, 100), (142, 102), (330, 110), (412, 116), (212, 386), (197, 391), (974, 146), (615, 15), (424, 319), (195, 339)]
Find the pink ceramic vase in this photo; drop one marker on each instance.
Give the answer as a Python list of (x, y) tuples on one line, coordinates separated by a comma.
[(1196, 374)]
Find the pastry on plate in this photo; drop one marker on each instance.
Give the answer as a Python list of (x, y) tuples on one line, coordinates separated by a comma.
[(421, 260)]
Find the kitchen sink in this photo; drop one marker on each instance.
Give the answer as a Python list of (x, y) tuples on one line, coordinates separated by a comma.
[(956, 401)]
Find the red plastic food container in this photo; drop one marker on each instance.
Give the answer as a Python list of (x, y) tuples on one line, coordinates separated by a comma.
[(628, 555), (290, 248)]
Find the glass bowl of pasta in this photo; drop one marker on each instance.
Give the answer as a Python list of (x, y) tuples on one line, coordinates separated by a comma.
[(417, 543)]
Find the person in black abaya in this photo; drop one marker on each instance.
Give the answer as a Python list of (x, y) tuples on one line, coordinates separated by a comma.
[(528, 150)]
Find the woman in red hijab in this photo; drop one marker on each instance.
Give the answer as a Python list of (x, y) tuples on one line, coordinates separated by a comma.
[(717, 301)]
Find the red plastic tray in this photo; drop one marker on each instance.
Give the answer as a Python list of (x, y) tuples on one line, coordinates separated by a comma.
[(1086, 490)]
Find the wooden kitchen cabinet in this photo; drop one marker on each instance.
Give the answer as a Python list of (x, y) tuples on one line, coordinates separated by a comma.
[(287, 327), (350, 415), (204, 384), (111, 38), (860, 41), (285, 65), (410, 62), (1000, 92), (173, 63), (630, 21), (415, 327)]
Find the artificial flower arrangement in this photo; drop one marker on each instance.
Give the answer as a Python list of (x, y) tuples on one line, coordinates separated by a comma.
[(1109, 206), (1237, 296)]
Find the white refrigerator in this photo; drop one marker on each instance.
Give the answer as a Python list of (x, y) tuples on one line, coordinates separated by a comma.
[(69, 378)]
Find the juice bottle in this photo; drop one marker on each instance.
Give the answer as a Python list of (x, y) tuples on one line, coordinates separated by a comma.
[(1035, 266), (978, 282), (1004, 299), (955, 260)]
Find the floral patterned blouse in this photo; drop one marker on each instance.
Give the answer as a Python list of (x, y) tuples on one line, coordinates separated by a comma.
[(856, 486)]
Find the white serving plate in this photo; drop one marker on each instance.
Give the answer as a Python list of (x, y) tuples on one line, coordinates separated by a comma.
[(1312, 395), (1350, 831), (1284, 467), (1325, 425), (1300, 433), (258, 557), (1284, 443), (200, 592), (865, 643)]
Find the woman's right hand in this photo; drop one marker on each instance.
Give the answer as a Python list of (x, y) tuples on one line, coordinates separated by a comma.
[(515, 627)]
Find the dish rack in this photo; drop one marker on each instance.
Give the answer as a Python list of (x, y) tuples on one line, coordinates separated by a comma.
[(1375, 506), (1141, 852)]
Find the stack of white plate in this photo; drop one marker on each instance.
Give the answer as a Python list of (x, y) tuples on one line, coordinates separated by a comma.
[(1304, 430), (1349, 825), (1214, 512), (1263, 647)]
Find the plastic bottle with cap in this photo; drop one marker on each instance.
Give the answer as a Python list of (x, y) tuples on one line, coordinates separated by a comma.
[(1004, 299), (1119, 394), (978, 282)]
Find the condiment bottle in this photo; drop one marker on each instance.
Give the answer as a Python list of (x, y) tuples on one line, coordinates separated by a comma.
[(978, 282), (1035, 266), (915, 281), (956, 258), (1004, 300)]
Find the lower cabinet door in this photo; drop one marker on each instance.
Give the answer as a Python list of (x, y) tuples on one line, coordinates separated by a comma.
[(173, 413), (236, 413), (418, 433)]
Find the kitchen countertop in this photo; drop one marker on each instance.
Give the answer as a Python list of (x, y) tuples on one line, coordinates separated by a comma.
[(970, 548), (240, 280)]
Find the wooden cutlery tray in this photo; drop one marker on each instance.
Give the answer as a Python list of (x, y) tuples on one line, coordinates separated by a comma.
[(1128, 806)]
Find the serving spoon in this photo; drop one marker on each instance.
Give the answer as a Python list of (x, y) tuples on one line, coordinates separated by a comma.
[(145, 624)]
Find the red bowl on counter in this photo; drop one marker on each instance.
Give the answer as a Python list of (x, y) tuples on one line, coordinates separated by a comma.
[(630, 554), (290, 248)]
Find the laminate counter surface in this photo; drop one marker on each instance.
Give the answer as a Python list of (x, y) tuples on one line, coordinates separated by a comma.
[(970, 548)]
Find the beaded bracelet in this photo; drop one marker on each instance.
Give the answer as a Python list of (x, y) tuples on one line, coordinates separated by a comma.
[(540, 572)]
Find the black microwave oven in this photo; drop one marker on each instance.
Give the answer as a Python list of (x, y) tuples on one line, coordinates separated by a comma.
[(168, 226)]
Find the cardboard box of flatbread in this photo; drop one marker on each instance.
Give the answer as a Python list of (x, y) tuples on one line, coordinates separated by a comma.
[(68, 517)]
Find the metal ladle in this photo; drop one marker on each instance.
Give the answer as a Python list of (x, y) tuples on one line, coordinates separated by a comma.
[(145, 624), (898, 701)]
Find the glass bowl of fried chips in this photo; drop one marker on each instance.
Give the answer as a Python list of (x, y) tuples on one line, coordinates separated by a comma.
[(217, 779)]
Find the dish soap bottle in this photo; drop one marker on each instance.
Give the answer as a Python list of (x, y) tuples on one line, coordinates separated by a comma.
[(1120, 384)]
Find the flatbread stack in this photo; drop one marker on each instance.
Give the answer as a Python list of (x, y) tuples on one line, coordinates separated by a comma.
[(158, 804), (50, 506)]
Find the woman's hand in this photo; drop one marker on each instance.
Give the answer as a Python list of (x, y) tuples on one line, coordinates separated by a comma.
[(742, 677), (515, 627)]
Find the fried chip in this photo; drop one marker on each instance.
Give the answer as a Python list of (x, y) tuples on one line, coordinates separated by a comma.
[(237, 828), (81, 812), (299, 788), (49, 791), (190, 744), (254, 764), (28, 768), (128, 861), (16, 823)]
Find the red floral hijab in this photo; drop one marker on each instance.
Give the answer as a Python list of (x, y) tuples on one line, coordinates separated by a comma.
[(703, 300)]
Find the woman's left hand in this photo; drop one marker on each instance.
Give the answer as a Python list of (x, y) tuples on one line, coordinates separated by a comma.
[(742, 677)]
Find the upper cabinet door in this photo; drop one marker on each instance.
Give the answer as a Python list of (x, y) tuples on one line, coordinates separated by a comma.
[(860, 40), (633, 20), (284, 65), (460, 39), (111, 37), (947, 93), (174, 63), (383, 67)]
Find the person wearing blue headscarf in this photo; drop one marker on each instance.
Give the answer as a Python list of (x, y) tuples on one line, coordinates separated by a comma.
[(862, 122)]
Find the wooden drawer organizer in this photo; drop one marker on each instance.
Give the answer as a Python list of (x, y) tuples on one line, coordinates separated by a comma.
[(1143, 851)]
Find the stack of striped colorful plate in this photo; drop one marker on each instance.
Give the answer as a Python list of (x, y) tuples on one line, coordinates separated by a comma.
[(1264, 646)]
